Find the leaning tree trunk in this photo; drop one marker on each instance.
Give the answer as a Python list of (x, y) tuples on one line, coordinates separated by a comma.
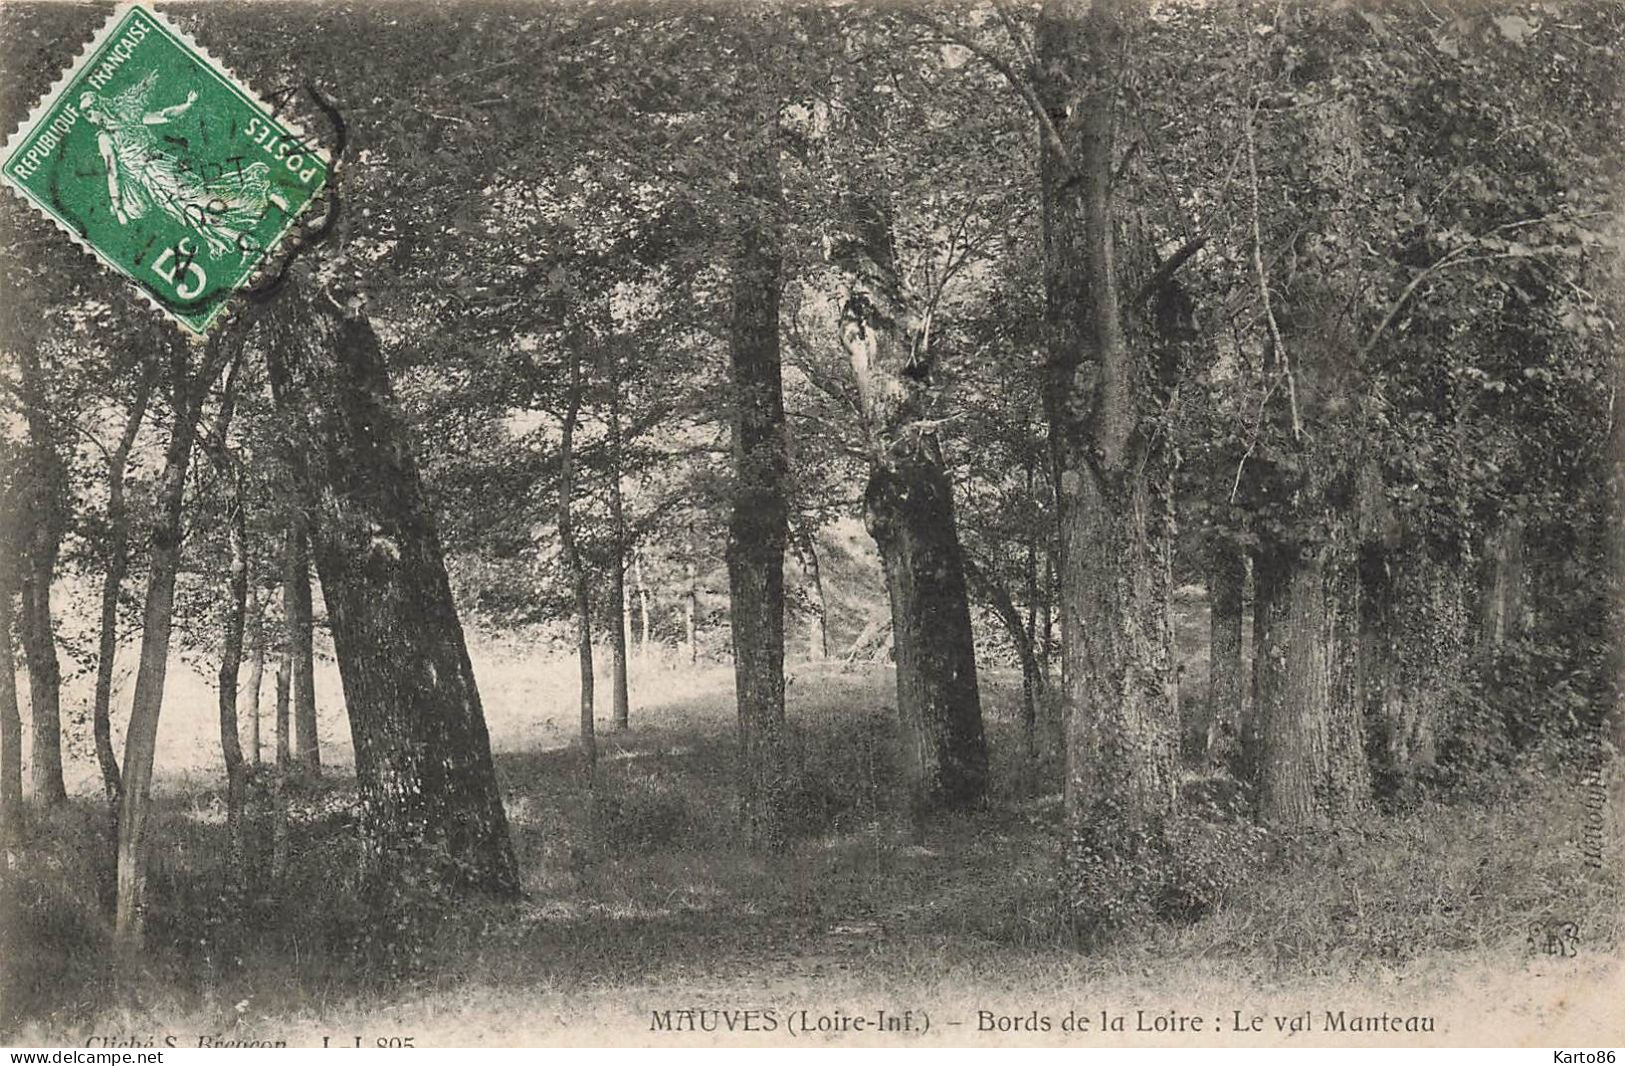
[(1227, 574), (117, 566), (908, 508), (758, 526), (301, 640), (431, 809), (575, 569), (1021, 636), (620, 704), (141, 736), (1113, 599)]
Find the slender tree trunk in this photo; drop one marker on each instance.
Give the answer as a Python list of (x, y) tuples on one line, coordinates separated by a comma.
[(301, 642), (643, 601), (230, 659), (284, 684), (908, 507), (575, 569), (818, 623), (11, 726), (1032, 679), (44, 504), (758, 526), (141, 737), (620, 703), (431, 809), (117, 566), (256, 669), (691, 598), (1226, 679), (1116, 679)]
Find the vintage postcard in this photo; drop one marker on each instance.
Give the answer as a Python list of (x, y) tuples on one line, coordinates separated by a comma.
[(1071, 523)]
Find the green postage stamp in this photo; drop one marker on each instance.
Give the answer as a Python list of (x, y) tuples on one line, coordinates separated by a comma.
[(152, 157)]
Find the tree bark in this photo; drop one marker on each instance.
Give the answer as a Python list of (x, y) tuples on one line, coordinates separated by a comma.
[(643, 601), (11, 726), (45, 485), (301, 643), (1227, 574), (1311, 764), (141, 737), (908, 508), (620, 702), (431, 810), (691, 597), (1116, 679), (284, 677), (575, 568), (758, 526), (117, 566), (256, 670)]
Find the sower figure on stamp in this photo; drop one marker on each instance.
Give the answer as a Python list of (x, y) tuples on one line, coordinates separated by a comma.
[(141, 175)]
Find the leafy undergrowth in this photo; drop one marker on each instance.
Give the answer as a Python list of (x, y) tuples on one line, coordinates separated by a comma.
[(642, 883)]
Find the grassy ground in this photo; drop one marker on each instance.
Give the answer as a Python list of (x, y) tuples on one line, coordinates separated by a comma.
[(640, 899)]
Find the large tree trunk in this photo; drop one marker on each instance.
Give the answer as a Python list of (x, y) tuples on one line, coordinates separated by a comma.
[(620, 702), (1113, 598), (43, 501), (1227, 574), (301, 642), (1310, 756), (431, 810), (141, 736), (117, 566), (758, 527), (11, 726), (1415, 670), (575, 569), (908, 508)]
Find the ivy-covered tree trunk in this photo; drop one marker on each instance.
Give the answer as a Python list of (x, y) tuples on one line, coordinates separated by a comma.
[(1416, 649), (431, 810), (758, 525), (1227, 574), (116, 566), (1310, 761), (908, 508), (1113, 600), (1503, 600), (43, 502), (307, 751)]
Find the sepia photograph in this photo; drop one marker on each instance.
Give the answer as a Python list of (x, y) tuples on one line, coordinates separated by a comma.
[(811, 523)]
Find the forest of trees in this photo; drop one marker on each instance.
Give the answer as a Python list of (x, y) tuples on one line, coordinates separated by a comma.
[(1302, 312)]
